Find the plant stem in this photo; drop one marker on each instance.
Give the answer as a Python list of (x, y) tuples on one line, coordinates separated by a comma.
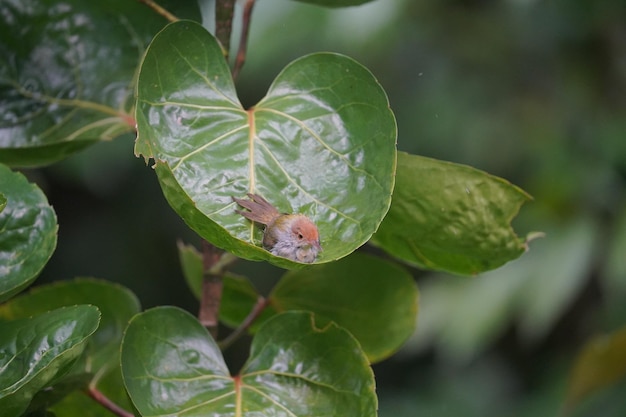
[(261, 304), (160, 10), (215, 261), (224, 11), (103, 400), (243, 41)]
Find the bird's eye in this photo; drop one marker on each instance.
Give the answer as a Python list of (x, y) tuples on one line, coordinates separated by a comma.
[(300, 236)]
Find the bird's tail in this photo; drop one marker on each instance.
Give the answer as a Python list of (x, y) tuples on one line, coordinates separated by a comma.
[(260, 210)]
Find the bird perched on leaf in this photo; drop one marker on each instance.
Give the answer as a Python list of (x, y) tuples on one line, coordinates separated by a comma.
[(292, 236)]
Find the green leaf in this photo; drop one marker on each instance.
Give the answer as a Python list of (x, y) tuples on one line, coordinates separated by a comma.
[(35, 352), (28, 233), (100, 361), (451, 217), (374, 299), (3, 202), (600, 363), (335, 3), (66, 74), (42, 413), (116, 303), (172, 366), (191, 263), (323, 112), (69, 383)]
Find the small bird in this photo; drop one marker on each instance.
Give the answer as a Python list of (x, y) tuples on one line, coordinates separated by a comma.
[(292, 236)]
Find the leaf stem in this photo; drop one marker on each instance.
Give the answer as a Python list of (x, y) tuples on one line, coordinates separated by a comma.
[(224, 12), (103, 400), (160, 10), (243, 41), (261, 304), (215, 261)]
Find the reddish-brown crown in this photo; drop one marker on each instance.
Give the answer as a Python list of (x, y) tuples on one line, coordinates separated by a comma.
[(304, 227)]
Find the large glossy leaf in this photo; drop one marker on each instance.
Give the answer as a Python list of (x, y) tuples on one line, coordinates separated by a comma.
[(116, 303), (172, 366), (451, 217), (28, 233), (321, 142), (34, 352), (66, 73), (600, 363), (374, 299)]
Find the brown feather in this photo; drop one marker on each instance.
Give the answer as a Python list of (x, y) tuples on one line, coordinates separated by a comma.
[(260, 210)]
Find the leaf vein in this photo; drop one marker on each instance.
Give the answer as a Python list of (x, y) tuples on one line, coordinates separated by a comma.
[(324, 144), (207, 145), (203, 76), (263, 394), (298, 186)]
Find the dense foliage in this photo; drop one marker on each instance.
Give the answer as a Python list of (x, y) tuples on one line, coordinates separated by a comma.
[(321, 141)]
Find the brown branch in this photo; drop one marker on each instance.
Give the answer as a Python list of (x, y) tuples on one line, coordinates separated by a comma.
[(243, 41), (214, 262), (160, 10), (261, 304), (224, 12), (104, 401)]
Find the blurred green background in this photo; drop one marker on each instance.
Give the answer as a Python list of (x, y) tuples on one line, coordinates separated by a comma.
[(532, 91)]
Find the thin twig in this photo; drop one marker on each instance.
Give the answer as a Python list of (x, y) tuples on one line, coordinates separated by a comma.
[(243, 41), (104, 401), (160, 10), (215, 261), (261, 304), (224, 12)]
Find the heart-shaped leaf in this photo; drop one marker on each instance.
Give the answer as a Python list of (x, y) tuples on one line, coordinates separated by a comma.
[(451, 217), (66, 73), (321, 143), (28, 233), (35, 352), (172, 366)]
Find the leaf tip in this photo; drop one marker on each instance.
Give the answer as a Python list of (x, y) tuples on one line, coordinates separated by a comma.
[(532, 236)]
